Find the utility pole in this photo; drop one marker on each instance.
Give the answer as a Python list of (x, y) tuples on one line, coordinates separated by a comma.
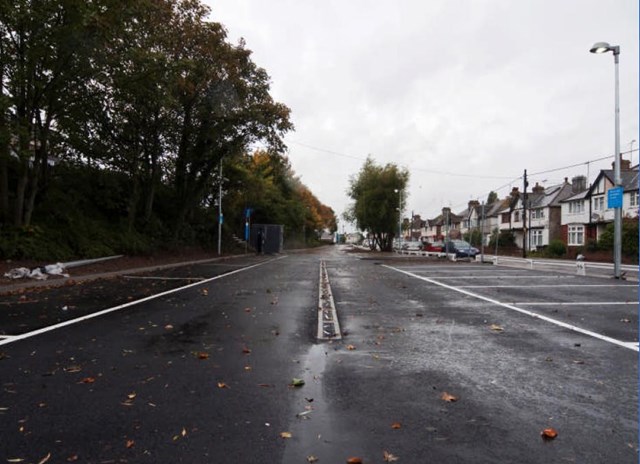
[(482, 234), (220, 208), (524, 216)]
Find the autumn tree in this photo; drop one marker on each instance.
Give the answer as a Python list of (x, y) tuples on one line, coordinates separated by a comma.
[(375, 192)]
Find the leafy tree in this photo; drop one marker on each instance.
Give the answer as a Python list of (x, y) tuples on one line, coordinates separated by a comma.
[(629, 238), (375, 208), (492, 198)]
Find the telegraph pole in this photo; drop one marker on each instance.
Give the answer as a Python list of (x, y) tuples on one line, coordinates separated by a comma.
[(524, 216)]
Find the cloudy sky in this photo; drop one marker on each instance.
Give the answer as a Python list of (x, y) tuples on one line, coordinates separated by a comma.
[(465, 94)]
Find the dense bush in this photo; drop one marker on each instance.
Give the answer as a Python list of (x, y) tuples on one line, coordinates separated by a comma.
[(556, 248)]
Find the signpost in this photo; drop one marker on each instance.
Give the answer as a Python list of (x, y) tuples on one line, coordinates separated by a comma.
[(614, 197)]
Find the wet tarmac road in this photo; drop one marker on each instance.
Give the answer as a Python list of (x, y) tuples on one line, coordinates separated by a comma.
[(202, 375)]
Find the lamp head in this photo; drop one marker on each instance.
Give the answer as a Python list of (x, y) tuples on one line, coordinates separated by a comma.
[(600, 47), (604, 47)]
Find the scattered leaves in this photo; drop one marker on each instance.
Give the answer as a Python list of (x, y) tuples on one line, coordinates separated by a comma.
[(388, 457), (131, 395), (354, 461), (351, 347), (130, 443), (204, 292), (312, 458), (203, 355), (285, 434), (496, 328), (448, 397), (297, 382), (549, 434), (396, 425), (88, 380), (222, 385), (45, 459)]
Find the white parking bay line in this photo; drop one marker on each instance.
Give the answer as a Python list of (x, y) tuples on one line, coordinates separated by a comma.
[(552, 285), (502, 277), (50, 328), (628, 345), (577, 303)]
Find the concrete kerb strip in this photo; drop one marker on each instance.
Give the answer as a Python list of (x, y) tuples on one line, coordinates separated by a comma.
[(629, 345), (107, 275), (15, 338), (328, 324)]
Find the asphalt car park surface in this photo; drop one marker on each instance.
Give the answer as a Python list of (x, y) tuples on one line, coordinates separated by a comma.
[(435, 365)]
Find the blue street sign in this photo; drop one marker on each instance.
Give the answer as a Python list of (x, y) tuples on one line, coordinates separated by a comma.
[(221, 219), (246, 231), (247, 212), (614, 197)]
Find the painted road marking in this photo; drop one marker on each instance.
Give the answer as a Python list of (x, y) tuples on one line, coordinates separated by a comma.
[(50, 328), (549, 285), (328, 324), (628, 345), (162, 278), (505, 277), (579, 303)]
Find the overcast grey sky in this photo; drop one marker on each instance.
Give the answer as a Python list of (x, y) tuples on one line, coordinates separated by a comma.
[(466, 94)]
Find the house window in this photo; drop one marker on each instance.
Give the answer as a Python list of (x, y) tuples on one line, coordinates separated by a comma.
[(633, 201), (465, 224), (537, 213), (516, 217), (505, 218), (576, 207), (576, 235), (598, 203), (536, 238)]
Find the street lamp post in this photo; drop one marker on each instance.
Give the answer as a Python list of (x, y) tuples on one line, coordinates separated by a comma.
[(603, 47), (399, 192)]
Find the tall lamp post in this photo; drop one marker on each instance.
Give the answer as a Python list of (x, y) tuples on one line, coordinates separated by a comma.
[(399, 192), (603, 47)]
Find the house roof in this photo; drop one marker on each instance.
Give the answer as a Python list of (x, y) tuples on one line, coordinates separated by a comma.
[(629, 178), (552, 196)]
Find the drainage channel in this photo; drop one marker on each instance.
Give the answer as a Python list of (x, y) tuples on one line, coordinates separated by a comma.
[(328, 325)]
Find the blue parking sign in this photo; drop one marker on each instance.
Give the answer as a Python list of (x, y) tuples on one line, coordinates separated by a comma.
[(614, 197)]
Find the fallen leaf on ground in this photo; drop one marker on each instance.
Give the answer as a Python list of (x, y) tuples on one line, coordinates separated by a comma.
[(297, 382), (72, 458), (88, 380), (396, 425), (222, 385), (448, 397), (625, 320), (265, 385), (45, 459), (549, 434), (285, 434), (203, 355), (72, 369), (131, 395), (578, 361), (351, 347), (15, 460), (354, 461), (130, 443), (388, 457), (184, 432), (168, 327), (247, 368), (496, 328), (246, 350), (205, 292), (312, 458), (247, 310)]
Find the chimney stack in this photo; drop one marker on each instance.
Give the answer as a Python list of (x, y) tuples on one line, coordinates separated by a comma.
[(537, 188), (578, 184)]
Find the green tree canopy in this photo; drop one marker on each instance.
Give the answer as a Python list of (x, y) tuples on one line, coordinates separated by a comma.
[(376, 192)]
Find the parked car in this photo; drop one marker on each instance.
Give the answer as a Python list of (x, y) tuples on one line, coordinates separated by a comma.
[(461, 249), (433, 247), (412, 246)]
